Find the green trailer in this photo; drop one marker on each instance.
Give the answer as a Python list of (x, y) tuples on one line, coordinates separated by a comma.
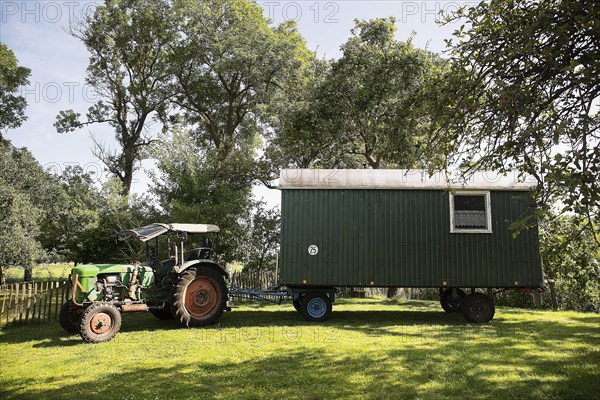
[(340, 228), (404, 228)]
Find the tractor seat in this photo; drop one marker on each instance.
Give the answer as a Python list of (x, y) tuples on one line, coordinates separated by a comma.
[(201, 253)]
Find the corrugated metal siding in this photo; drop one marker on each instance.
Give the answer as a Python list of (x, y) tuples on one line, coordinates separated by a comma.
[(401, 238)]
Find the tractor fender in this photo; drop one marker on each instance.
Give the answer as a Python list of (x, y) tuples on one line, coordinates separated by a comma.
[(206, 263)]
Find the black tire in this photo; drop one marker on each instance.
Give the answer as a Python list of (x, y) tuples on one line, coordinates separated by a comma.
[(162, 313), (316, 307), (478, 308), (450, 304), (69, 317), (100, 322), (200, 297), (296, 304)]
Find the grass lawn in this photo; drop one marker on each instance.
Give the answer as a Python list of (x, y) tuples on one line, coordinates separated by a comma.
[(41, 272), (370, 348)]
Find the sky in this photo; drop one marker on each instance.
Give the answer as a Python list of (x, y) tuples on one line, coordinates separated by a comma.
[(36, 32)]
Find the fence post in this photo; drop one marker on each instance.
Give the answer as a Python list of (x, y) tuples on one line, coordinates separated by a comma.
[(44, 300), (35, 301), (9, 303), (62, 294), (49, 301), (17, 308), (3, 291), (57, 284), (27, 302)]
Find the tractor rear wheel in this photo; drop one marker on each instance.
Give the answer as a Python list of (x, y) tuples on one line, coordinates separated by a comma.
[(69, 317), (316, 306), (478, 308), (100, 322), (200, 297), (452, 304)]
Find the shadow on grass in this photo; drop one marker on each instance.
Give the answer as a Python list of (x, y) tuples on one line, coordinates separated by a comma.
[(445, 370), (397, 322)]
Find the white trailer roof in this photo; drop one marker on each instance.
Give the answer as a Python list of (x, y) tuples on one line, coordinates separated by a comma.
[(414, 179)]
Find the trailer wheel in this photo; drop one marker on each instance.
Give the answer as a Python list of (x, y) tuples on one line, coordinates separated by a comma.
[(315, 306), (200, 297), (478, 308), (70, 316), (298, 303), (452, 304), (100, 322)]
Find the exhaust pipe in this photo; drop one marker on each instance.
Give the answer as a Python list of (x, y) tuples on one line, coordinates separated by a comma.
[(134, 307)]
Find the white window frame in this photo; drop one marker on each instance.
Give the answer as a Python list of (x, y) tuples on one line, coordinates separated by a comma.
[(488, 211)]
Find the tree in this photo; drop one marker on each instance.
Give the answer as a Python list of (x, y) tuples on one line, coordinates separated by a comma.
[(63, 232), (361, 110), (25, 203), (230, 69), (264, 238), (115, 212), (18, 230), (302, 137), (231, 65), (374, 84), (193, 185), (129, 68), (520, 96), (571, 263), (12, 76)]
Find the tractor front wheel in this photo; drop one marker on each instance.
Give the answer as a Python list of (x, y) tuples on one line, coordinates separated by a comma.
[(200, 297), (100, 322)]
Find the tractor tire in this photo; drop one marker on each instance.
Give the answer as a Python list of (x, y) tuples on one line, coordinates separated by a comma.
[(316, 307), (450, 304), (100, 322), (478, 308), (200, 297), (70, 316)]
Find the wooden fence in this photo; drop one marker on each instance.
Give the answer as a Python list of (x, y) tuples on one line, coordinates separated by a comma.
[(259, 280), (32, 301)]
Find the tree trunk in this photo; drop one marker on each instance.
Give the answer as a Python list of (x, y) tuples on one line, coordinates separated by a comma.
[(2, 277), (28, 275)]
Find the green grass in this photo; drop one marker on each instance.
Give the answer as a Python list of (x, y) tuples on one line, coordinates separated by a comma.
[(369, 349), (41, 272)]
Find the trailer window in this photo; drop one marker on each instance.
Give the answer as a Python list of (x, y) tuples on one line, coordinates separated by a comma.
[(470, 212)]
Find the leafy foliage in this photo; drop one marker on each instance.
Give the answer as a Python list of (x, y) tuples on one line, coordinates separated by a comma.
[(26, 202), (263, 242), (196, 186), (361, 111), (571, 263), (129, 42), (520, 95), (12, 76)]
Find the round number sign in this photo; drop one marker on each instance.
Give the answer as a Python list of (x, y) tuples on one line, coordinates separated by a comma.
[(313, 250)]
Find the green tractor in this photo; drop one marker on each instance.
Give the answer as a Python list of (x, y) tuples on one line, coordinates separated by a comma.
[(188, 285)]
